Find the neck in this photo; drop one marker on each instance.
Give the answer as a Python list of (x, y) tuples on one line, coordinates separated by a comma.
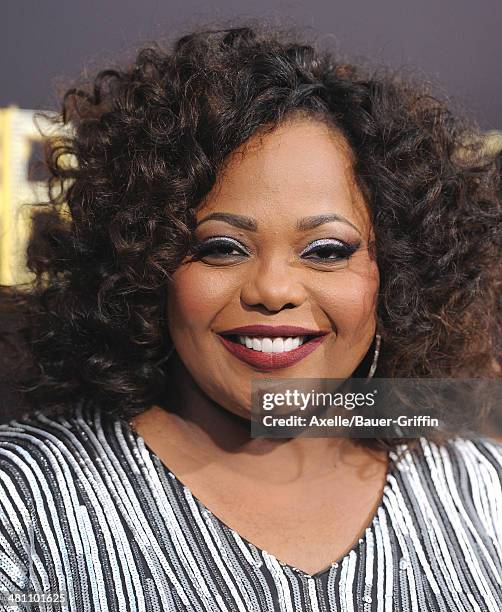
[(190, 422)]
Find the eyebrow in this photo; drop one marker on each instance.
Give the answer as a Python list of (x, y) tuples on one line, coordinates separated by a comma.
[(248, 223)]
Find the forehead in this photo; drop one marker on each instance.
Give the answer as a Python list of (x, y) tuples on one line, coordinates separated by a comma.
[(301, 168)]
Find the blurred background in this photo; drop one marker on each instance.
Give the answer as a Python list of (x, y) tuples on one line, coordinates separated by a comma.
[(456, 42), (46, 46)]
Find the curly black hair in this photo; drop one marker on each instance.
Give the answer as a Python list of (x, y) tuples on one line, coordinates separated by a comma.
[(146, 144)]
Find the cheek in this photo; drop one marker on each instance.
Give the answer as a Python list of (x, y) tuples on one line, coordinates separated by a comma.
[(195, 296), (198, 293), (351, 302)]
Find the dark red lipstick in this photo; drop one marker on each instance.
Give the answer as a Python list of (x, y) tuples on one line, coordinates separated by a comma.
[(270, 361)]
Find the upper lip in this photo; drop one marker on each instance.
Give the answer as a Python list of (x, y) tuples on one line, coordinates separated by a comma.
[(273, 330)]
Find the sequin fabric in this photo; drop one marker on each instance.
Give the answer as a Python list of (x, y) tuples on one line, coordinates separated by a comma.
[(89, 511)]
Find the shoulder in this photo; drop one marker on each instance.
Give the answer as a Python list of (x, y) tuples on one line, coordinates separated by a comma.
[(468, 465), (42, 457), (50, 467), (473, 471), (479, 459), (483, 454), (461, 478), (37, 441)]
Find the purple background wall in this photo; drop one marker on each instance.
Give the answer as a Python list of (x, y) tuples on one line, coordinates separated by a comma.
[(458, 43)]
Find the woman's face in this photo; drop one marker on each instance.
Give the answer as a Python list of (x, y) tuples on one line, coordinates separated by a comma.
[(282, 241)]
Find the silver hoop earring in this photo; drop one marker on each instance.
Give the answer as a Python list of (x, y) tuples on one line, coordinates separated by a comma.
[(378, 342)]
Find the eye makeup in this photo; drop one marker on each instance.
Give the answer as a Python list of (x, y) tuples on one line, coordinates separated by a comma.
[(323, 250), (333, 249), (218, 247)]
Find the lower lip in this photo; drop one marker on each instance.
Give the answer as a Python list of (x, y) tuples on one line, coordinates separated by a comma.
[(271, 361)]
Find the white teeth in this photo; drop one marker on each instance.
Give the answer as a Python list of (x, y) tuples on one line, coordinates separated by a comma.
[(272, 345)]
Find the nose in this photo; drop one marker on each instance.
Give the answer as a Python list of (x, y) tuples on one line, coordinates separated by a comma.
[(274, 286)]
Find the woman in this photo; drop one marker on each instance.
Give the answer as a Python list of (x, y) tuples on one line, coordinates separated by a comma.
[(235, 199)]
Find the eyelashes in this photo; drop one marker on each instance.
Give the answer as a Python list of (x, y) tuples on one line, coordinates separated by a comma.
[(332, 249), (218, 247), (226, 249)]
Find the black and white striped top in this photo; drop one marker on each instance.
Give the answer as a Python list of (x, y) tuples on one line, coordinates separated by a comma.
[(86, 509)]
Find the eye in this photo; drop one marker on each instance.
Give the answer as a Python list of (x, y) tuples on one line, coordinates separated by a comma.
[(329, 250), (224, 249), (220, 248)]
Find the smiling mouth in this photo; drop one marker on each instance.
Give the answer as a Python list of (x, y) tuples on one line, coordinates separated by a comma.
[(270, 344), (271, 352)]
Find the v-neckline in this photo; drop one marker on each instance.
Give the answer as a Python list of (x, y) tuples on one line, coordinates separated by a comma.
[(391, 466)]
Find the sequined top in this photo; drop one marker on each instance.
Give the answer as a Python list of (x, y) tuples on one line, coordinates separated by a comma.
[(89, 514)]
